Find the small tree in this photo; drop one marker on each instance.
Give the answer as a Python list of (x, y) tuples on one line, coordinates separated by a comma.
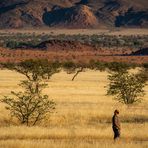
[(144, 71), (119, 67), (27, 108), (127, 88), (30, 106)]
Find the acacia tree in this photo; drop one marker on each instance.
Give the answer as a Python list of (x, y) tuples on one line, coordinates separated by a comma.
[(128, 88), (73, 68), (30, 106), (76, 68), (144, 71)]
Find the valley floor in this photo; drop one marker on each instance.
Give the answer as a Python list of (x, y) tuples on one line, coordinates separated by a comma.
[(56, 31)]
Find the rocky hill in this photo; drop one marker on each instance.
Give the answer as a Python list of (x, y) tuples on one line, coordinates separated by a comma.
[(73, 13)]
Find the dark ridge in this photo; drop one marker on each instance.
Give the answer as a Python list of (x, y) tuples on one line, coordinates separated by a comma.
[(82, 2), (55, 7), (111, 6), (11, 7), (141, 52), (132, 18), (30, 19), (104, 13), (56, 16)]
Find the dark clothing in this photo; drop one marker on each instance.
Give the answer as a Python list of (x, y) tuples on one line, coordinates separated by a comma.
[(116, 126), (116, 133)]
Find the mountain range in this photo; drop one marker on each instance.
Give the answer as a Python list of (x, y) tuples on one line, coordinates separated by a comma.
[(73, 13)]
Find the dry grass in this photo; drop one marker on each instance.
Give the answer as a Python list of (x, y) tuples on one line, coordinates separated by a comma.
[(82, 118)]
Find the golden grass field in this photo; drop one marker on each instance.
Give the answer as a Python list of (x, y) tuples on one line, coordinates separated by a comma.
[(82, 118)]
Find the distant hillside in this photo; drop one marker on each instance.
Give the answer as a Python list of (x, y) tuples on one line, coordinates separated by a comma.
[(73, 13)]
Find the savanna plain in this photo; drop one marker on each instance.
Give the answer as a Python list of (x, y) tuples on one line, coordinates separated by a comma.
[(82, 118)]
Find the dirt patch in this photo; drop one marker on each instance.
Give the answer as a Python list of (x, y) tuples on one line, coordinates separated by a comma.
[(70, 52), (60, 45)]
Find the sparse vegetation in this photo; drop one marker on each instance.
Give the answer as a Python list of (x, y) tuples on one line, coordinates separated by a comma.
[(78, 48), (83, 117), (30, 106), (18, 40), (127, 88)]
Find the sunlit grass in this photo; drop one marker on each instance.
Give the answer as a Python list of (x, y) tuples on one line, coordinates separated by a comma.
[(82, 117)]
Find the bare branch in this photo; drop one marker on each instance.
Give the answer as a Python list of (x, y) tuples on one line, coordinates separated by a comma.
[(80, 70)]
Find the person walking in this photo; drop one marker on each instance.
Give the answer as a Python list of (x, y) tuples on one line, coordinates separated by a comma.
[(116, 124)]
